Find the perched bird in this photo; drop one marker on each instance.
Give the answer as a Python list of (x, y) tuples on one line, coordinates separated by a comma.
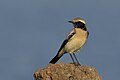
[(74, 41)]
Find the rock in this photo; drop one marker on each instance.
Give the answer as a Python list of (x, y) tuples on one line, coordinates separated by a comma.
[(63, 71)]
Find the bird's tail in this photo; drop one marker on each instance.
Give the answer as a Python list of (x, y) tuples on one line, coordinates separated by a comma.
[(55, 59), (58, 56)]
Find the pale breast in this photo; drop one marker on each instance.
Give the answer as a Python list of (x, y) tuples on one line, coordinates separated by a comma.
[(76, 42)]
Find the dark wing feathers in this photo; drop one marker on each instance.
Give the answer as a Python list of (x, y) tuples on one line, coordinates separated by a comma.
[(66, 40), (87, 34)]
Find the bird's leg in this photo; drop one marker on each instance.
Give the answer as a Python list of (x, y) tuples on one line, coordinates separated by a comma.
[(76, 59), (72, 57)]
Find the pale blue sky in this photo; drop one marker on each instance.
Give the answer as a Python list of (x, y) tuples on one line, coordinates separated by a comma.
[(31, 32)]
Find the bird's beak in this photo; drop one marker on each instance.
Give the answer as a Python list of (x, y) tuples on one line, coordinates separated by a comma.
[(70, 21)]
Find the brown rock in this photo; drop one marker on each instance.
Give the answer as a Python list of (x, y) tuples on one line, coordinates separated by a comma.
[(63, 71)]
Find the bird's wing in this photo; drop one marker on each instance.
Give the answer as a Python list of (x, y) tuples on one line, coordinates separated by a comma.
[(66, 40), (87, 34), (61, 50)]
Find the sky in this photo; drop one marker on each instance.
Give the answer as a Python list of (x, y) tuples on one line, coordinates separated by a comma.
[(31, 32)]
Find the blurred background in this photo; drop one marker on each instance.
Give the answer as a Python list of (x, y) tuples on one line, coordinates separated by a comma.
[(31, 32)]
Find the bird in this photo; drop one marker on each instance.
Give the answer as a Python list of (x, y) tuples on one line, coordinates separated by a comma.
[(74, 41)]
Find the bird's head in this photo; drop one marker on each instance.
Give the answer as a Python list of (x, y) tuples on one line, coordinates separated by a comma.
[(77, 20), (78, 23)]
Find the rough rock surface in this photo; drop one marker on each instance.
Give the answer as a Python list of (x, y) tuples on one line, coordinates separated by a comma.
[(63, 71)]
